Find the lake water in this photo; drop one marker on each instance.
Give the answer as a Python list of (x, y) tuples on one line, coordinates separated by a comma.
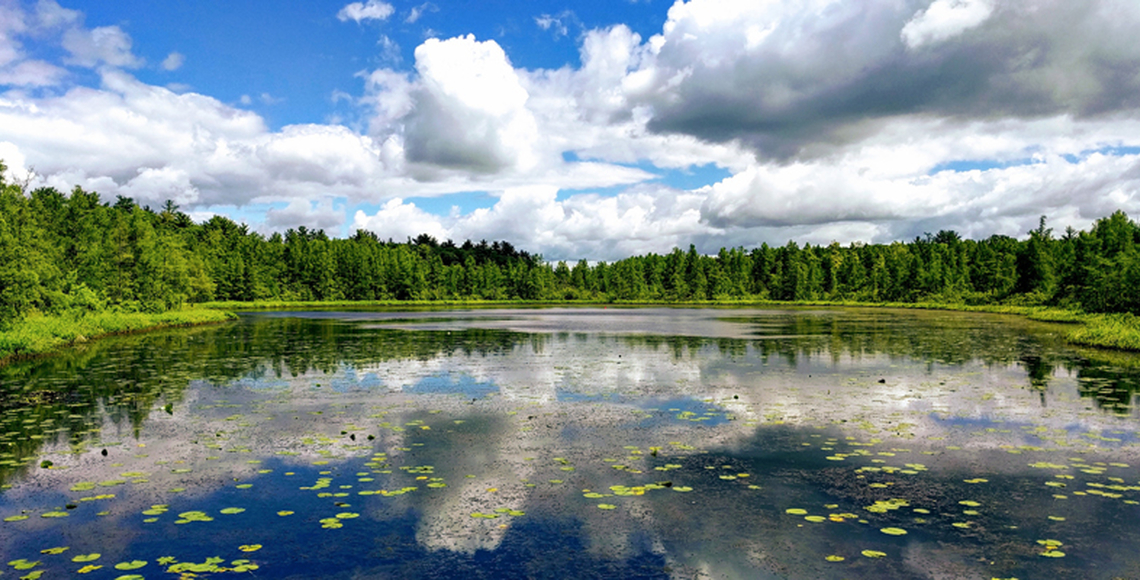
[(575, 443)]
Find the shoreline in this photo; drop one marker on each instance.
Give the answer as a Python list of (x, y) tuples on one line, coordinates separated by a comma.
[(1117, 331), (44, 335)]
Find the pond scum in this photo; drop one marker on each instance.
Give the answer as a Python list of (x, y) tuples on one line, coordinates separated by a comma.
[(236, 485)]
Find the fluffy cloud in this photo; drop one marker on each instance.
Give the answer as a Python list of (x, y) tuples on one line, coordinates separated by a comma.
[(469, 110), (799, 79), (361, 11), (316, 216), (638, 221), (397, 220), (157, 184), (103, 45), (32, 73), (16, 69), (899, 179), (49, 15), (173, 61)]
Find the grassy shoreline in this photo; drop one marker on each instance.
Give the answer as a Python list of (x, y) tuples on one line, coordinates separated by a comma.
[(42, 334), (1108, 331), (45, 334)]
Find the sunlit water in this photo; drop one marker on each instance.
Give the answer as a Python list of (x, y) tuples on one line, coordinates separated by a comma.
[(567, 443)]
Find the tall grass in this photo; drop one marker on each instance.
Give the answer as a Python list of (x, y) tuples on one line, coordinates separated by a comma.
[(41, 334), (1118, 331)]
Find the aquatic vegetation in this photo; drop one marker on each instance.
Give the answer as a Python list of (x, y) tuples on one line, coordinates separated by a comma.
[(820, 455)]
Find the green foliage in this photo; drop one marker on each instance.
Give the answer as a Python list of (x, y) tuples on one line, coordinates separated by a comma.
[(40, 334), (1119, 331), (72, 253)]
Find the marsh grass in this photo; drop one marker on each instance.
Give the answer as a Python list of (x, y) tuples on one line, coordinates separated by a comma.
[(1118, 331), (41, 334)]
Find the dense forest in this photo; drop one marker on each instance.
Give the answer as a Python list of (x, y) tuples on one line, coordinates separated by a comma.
[(64, 252)]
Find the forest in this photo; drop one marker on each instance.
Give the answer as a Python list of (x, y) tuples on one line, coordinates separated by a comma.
[(71, 252)]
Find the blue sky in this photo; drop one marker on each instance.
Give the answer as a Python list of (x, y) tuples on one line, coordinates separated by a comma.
[(300, 53), (585, 130)]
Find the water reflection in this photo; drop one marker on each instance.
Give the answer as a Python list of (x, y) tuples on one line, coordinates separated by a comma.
[(438, 416)]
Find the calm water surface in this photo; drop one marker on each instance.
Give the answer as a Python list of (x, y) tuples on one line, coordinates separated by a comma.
[(575, 443)]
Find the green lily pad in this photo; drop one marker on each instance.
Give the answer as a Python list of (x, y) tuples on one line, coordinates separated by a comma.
[(132, 565), (231, 510), (893, 531), (87, 557)]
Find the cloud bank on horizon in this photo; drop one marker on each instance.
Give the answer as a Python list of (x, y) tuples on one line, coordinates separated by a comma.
[(736, 123)]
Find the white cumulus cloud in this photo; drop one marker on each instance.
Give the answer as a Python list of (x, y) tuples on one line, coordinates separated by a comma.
[(466, 111)]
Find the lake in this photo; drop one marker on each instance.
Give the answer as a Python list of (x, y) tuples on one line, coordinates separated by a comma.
[(575, 443)]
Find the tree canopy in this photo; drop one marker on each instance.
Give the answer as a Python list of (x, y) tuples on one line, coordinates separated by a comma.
[(62, 252)]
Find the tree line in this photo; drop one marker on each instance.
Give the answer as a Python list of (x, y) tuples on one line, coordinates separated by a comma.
[(63, 252)]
